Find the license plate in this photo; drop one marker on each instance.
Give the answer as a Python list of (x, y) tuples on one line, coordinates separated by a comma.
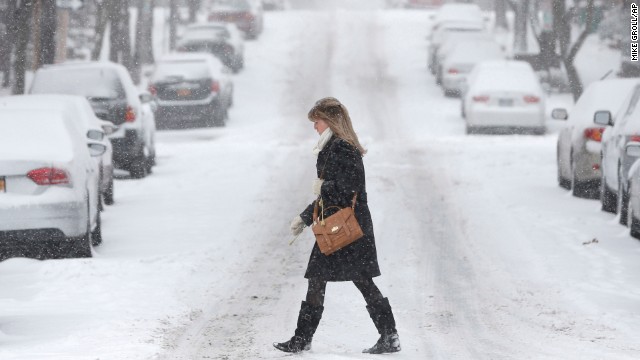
[(183, 92), (3, 186), (505, 102)]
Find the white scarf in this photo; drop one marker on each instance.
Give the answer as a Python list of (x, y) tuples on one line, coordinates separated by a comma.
[(324, 139)]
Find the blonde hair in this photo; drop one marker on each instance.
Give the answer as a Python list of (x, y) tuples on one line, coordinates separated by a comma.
[(337, 117)]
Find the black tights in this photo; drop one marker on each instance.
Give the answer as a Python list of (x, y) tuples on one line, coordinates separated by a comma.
[(315, 292)]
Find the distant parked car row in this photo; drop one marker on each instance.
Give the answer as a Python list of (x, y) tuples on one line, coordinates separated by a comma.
[(599, 148), (497, 95)]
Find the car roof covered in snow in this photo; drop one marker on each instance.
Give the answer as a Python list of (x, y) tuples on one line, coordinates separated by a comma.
[(473, 52), (78, 106), (606, 94), (185, 65), (40, 135), (504, 75), (46, 79)]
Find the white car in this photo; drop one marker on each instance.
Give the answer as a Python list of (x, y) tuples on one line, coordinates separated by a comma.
[(620, 130), (504, 96), (49, 187), (191, 87), (459, 62), (456, 13), (450, 41), (579, 142), (113, 97), (223, 40), (443, 31), (80, 110)]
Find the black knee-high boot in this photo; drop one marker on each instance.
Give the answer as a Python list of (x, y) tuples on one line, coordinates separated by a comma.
[(382, 317), (308, 321)]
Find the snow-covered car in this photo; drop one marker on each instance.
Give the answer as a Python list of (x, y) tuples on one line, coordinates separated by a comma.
[(579, 146), (455, 13), (76, 108), (49, 191), (443, 31), (191, 87), (246, 14), (223, 40), (632, 150), (450, 41), (620, 130), (113, 97), (504, 96), (459, 62)]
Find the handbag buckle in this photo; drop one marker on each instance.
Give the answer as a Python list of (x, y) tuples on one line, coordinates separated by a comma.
[(335, 229)]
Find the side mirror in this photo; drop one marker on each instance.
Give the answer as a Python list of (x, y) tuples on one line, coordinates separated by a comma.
[(145, 97), (109, 128), (603, 117), (559, 114), (95, 135), (96, 149), (633, 148)]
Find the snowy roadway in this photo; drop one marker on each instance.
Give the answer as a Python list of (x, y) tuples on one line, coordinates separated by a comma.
[(483, 256)]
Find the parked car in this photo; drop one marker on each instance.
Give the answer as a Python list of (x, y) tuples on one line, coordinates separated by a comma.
[(619, 131), (456, 13), (632, 150), (504, 96), (246, 14), (48, 185), (443, 31), (191, 87), (457, 64), (579, 141), (450, 41), (222, 40), (113, 97), (76, 108)]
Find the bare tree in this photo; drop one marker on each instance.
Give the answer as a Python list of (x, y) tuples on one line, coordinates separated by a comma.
[(173, 23), (500, 8), (20, 29), (48, 26), (143, 54)]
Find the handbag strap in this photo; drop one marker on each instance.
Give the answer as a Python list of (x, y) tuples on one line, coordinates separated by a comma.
[(315, 207)]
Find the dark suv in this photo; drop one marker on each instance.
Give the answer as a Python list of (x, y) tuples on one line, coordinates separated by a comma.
[(114, 98), (191, 87)]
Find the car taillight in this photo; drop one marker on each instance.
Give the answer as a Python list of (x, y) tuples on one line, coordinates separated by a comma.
[(247, 16), (594, 134), (130, 115), (49, 176), (453, 71), (215, 86), (481, 98), (634, 138), (531, 99), (152, 90)]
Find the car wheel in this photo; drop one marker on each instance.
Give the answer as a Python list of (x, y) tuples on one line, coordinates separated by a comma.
[(623, 201), (608, 198), (562, 182), (470, 130), (634, 224), (107, 197), (578, 189), (138, 168), (96, 234), (219, 114)]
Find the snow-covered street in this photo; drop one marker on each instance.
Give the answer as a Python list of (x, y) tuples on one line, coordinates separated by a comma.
[(482, 255)]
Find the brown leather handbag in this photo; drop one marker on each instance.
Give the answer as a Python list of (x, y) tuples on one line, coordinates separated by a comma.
[(336, 231)]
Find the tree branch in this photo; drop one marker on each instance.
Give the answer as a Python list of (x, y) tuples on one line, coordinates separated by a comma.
[(583, 36)]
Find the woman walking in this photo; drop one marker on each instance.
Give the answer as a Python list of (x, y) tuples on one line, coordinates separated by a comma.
[(340, 173)]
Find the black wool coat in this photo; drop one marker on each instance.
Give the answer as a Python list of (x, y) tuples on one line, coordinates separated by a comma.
[(340, 165)]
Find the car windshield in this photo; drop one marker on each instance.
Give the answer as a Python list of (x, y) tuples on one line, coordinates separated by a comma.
[(181, 69), (93, 83)]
